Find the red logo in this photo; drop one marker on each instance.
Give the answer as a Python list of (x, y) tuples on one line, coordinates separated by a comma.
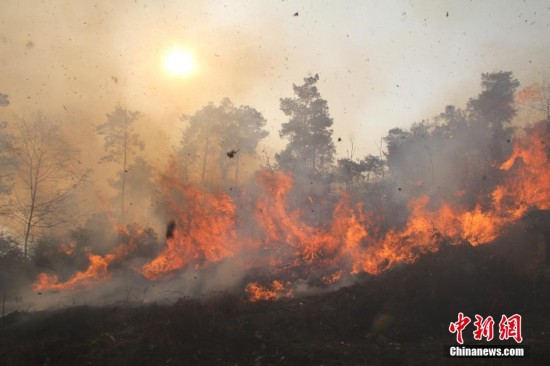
[(484, 328), (459, 326), (508, 327)]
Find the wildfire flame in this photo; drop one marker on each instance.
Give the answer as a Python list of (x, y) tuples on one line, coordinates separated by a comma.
[(97, 271), (204, 233), (352, 243), (277, 290)]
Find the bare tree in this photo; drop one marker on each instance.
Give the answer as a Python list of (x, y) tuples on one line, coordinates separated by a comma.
[(43, 162), (120, 143), (536, 97)]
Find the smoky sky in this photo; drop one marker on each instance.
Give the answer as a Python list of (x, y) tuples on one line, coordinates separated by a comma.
[(382, 64)]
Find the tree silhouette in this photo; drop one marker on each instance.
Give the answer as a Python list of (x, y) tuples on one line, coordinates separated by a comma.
[(372, 164), (139, 185), (310, 149), (494, 109), (120, 142), (219, 135), (45, 171), (350, 172), (495, 104), (244, 134)]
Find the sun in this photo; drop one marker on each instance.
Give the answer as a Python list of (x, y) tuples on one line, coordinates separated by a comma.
[(179, 62)]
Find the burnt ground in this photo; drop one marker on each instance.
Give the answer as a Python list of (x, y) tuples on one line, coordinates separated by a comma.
[(400, 317)]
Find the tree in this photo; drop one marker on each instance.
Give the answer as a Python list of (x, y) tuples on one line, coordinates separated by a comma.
[(537, 97), (350, 171), (139, 185), (45, 173), (495, 104), (372, 164), (244, 133), (396, 149), (120, 142), (494, 109), (310, 149), (12, 265), (218, 134), (200, 134)]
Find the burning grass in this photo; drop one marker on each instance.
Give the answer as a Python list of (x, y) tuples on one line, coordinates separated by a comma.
[(286, 250), (398, 317)]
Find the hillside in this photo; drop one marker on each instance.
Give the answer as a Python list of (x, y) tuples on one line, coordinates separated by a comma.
[(401, 317)]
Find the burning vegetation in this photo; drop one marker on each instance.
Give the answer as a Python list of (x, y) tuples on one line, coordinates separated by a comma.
[(306, 224), (285, 247), (172, 197)]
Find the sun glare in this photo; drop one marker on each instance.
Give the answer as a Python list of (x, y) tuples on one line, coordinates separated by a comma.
[(179, 62)]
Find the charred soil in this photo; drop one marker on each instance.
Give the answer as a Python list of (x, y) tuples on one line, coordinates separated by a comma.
[(399, 317)]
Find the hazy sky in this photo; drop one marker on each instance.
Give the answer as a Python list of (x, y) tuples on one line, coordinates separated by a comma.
[(382, 63)]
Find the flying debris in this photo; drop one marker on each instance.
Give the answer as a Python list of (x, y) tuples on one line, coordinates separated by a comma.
[(4, 100), (232, 153), (339, 139), (170, 229)]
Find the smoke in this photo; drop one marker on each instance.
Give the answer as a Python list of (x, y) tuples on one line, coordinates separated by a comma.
[(75, 62)]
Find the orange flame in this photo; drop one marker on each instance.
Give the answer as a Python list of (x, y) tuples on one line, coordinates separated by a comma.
[(97, 271), (352, 243), (205, 232), (277, 290)]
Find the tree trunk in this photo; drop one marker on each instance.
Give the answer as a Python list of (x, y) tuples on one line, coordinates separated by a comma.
[(28, 228), (33, 189)]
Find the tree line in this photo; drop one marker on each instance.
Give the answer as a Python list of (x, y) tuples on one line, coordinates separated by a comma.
[(453, 152)]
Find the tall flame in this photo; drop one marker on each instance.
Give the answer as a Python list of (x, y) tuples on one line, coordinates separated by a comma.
[(289, 249), (204, 232)]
